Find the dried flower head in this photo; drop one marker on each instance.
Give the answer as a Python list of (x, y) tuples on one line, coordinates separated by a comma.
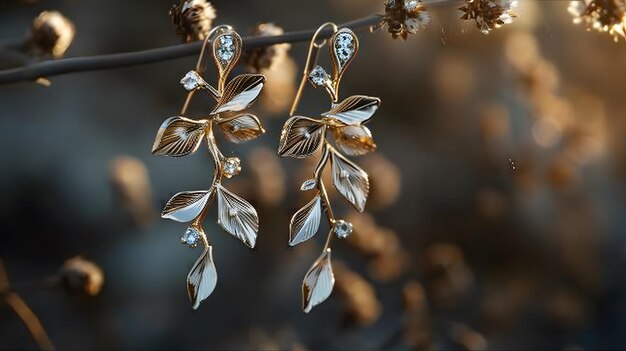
[(404, 17), (129, 178), (263, 58), (79, 274), (52, 33), (192, 19), (601, 15), (361, 304), (275, 63), (489, 14)]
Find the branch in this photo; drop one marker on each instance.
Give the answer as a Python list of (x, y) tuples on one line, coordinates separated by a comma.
[(99, 62)]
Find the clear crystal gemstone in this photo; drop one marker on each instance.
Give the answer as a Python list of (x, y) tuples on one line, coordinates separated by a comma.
[(192, 81), (318, 76), (231, 167), (344, 46), (191, 237), (342, 228), (308, 185), (226, 48), (410, 5)]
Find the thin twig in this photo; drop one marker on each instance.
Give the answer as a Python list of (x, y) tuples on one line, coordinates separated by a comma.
[(99, 62), (31, 321), (24, 312)]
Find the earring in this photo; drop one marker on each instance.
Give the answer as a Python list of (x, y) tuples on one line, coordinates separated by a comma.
[(180, 136), (302, 136)]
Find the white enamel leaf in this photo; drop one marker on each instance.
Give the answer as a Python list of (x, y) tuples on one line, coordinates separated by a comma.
[(350, 180), (308, 184), (237, 216), (305, 223), (202, 278), (318, 282), (241, 128), (354, 140), (301, 137), (186, 206), (357, 109), (178, 136), (240, 93)]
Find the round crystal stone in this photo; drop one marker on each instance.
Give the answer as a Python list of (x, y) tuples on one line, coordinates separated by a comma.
[(191, 237), (344, 46), (226, 48), (232, 167), (342, 228), (318, 76)]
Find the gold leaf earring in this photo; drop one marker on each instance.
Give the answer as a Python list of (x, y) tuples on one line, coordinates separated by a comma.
[(301, 137), (180, 136)]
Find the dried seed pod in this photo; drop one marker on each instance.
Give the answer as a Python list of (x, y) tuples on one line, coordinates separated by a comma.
[(192, 19), (79, 274), (275, 63), (361, 304), (263, 58), (51, 34), (404, 17), (129, 178), (601, 15), (489, 14)]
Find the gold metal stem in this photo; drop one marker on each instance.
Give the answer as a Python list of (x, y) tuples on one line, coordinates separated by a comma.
[(216, 155), (319, 170)]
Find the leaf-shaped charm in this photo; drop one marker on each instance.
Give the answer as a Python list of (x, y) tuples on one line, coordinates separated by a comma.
[(186, 206), (350, 180), (241, 128), (308, 184), (226, 52), (202, 278), (237, 216), (318, 282), (357, 109), (178, 136), (301, 137), (305, 223), (240, 93), (354, 140), (343, 48)]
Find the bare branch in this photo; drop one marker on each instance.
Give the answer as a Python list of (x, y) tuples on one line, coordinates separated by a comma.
[(100, 62)]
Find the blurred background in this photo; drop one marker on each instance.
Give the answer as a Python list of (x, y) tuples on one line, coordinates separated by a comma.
[(494, 219)]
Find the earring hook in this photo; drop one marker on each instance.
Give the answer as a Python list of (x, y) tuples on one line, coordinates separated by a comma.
[(199, 67), (223, 28), (311, 60)]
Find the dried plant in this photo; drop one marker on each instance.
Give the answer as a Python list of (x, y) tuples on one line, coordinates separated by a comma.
[(26, 315), (404, 17), (131, 183), (81, 275), (601, 15), (387, 258), (302, 136), (275, 63), (192, 19), (489, 14), (361, 304), (180, 136), (51, 34)]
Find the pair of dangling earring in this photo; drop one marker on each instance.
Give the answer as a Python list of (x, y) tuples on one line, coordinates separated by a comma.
[(301, 137)]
